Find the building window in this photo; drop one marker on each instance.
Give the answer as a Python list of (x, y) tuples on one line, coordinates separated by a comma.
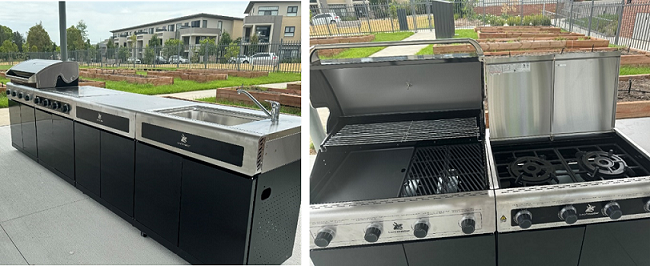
[(289, 31), (220, 24), (170, 27), (196, 24), (292, 11), (268, 11), (150, 30), (205, 23)]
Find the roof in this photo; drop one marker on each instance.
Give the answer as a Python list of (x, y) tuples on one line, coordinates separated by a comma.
[(179, 18), (251, 3)]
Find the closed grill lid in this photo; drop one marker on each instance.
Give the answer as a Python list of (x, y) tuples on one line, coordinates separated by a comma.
[(40, 74)]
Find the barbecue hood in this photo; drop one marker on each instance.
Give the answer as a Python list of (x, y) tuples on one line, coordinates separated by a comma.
[(42, 74), (396, 85), (547, 95)]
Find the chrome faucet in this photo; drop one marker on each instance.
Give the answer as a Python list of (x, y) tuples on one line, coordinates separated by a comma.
[(275, 106)]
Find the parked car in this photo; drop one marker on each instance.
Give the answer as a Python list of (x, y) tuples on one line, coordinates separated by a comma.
[(242, 59), (325, 18), (132, 59), (160, 60), (264, 59), (175, 59)]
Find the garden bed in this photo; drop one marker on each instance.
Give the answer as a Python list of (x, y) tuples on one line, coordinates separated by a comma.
[(137, 79), (93, 83), (496, 46), (284, 98), (343, 39)]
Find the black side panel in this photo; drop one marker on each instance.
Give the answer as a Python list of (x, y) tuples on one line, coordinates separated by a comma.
[(117, 156), (108, 120), (618, 243), (87, 157), (28, 120), (15, 124), (557, 247), (215, 211), (158, 190), (275, 215), (460, 251), (374, 255), (63, 140), (46, 155)]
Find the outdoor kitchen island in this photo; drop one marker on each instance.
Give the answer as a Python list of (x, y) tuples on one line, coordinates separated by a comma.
[(214, 184)]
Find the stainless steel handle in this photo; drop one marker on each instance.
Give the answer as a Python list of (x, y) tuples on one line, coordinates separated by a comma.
[(314, 57)]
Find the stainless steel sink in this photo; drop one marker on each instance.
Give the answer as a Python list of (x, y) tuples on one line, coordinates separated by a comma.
[(212, 115)]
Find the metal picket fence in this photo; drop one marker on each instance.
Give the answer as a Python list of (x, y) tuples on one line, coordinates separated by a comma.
[(273, 57)]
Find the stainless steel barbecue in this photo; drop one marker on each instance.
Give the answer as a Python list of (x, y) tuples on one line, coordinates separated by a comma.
[(404, 160), (560, 165)]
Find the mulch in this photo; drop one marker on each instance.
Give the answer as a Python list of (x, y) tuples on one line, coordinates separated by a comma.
[(640, 90)]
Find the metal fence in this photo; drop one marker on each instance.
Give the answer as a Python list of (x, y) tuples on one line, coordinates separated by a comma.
[(624, 23), (272, 57)]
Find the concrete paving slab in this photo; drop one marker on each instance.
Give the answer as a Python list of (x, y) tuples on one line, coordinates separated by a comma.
[(4, 116), (9, 254), (84, 232), (409, 49), (28, 187)]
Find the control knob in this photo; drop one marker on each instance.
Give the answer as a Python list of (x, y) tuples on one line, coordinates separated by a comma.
[(46, 102), (20, 95), (27, 98), (65, 108), (647, 206), (468, 224), (613, 210), (569, 214), (524, 219), (55, 105), (8, 92), (13, 93), (37, 100), (421, 229), (324, 237), (372, 233)]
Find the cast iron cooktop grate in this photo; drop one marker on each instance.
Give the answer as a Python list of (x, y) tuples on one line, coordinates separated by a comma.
[(446, 169), (404, 131)]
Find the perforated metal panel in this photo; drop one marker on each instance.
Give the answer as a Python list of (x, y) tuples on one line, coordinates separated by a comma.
[(275, 218)]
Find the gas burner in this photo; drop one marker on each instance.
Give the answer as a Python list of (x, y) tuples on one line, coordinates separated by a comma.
[(531, 170), (600, 164)]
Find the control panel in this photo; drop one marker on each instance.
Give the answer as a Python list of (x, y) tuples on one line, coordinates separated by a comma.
[(572, 213)]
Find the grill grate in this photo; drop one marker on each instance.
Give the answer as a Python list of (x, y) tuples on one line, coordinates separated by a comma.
[(392, 132), (446, 169)]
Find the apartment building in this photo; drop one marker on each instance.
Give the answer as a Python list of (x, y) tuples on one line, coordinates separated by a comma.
[(190, 29), (272, 21)]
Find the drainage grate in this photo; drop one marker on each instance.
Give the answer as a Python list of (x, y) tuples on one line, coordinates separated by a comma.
[(392, 132), (446, 169)]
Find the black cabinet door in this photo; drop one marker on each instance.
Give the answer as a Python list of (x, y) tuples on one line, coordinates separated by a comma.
[(215, 212), (459, 251), (117, 180), (557, 247), (45, 142), (15, 124), (87, 157), (63, 140), (373, 255), (625, 243), (28, 121), (158, 191)]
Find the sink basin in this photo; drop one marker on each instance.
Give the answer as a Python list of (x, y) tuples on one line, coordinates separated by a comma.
[(212, 115)]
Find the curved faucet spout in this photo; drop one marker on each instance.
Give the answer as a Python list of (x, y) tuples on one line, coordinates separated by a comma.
[(274, 114)]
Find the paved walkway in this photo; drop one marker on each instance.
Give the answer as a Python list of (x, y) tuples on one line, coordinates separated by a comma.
[(410, 49), (193, 95)]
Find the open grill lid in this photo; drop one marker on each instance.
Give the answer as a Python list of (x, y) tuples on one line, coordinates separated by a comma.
[(41, 74), (396, 85)]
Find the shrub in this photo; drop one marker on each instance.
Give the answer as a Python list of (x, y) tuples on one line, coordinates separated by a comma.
[(513, 21), (529, 20), (498, 22)]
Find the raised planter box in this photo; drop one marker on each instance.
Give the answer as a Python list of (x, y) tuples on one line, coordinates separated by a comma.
[(635, 60), (343, 39), (629, 77), (523, 45), (282, 98), (502, 53), (288, 91), (294, 86), (100, 84), (632, 109), (518, 29), (157, 80), (497, 35)]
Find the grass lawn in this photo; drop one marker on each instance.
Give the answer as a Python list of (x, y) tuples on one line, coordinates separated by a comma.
[(465, 33), (365, 52), (189, 85), (283, 109), (630, 70), (3, 97)]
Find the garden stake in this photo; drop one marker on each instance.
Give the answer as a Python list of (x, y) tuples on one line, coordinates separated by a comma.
[(629, 88)]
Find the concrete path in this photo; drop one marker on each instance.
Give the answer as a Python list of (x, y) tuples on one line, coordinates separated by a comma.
[(4, 116), (193, 95), (408, 50)]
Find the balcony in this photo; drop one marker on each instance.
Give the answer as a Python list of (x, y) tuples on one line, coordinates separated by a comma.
[(263, 19), (199, 31)]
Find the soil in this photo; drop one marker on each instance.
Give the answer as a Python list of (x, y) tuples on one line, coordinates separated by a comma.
[(640, 90)]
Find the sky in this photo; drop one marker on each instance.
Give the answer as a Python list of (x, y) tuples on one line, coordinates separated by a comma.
[(102, 16)]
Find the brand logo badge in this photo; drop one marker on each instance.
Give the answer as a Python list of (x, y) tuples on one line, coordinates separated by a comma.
[(99, 118), (397, 226), (183, 141), (590, 208), (183, 138)]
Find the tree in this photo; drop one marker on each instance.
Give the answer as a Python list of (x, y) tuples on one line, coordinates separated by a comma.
[(18, 39), (123, 53), (232, 50), (225, 39), (81, 26), (154, 41), (5, 33), (75, 39), (171, 47), (133, 38), (209, 45), (8, 47), (254, 40), (149, 55), (38, 37)]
